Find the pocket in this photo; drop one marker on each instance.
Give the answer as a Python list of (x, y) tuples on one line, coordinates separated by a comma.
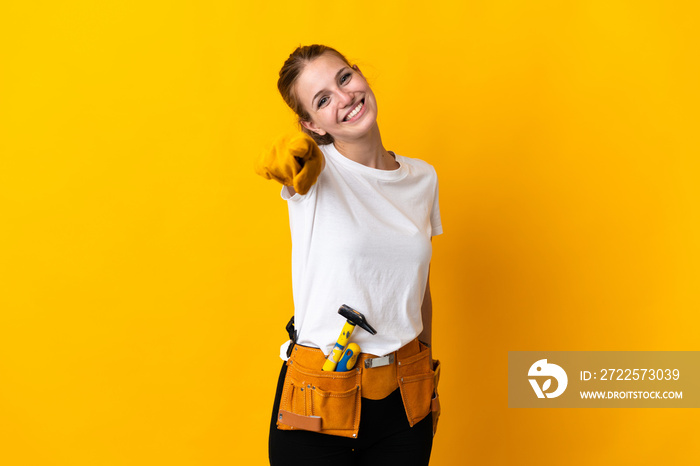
[(338, 410), (435, 403), (326, 402), (417, 391), (417, 383), (417, 364)]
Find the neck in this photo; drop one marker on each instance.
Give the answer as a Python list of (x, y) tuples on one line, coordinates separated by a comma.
[(367, 150)]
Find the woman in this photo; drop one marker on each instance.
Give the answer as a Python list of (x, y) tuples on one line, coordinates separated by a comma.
[(361, 220)]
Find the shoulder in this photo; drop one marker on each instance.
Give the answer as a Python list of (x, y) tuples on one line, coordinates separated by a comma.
[(419, 166), (325, 148)]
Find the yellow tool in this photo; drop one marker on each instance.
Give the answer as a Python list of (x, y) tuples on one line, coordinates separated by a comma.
[(349, 358), (354, 318)]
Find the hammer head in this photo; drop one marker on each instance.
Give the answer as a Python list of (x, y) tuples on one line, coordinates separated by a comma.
[(356, 318)]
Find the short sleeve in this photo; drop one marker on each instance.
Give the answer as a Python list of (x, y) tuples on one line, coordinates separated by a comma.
[(287, 196), (435, 220)]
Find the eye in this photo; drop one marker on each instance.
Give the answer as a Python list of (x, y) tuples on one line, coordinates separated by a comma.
[(321, 101), (342, 78)]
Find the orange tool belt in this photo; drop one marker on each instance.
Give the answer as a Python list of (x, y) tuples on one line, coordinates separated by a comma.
[(330, 402)]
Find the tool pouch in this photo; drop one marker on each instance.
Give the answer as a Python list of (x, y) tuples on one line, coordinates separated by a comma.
[(435, 403), (329, 402), (316, 400), (416, 376)]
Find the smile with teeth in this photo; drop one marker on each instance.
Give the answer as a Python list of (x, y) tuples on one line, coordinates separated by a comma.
[(355, 111)]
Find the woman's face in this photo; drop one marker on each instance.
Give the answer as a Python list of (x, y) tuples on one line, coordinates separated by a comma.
[(337, 98)]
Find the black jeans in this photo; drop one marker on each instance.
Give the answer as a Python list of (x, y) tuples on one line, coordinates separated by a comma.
[(385, 438)]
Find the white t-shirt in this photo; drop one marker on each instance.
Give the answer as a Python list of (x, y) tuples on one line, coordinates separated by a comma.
[(361, 237)]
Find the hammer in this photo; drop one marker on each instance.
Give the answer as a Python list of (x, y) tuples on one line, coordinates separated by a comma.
[(354, 318)]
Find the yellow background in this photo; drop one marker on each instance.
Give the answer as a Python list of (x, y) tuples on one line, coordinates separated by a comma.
[(145, 269)]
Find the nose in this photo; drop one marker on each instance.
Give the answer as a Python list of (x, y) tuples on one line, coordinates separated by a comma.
[(345, 98)]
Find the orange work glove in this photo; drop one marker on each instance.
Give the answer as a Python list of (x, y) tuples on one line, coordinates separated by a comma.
[(294, 160)]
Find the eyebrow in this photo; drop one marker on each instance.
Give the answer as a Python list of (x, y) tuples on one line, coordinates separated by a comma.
[(337, 75)]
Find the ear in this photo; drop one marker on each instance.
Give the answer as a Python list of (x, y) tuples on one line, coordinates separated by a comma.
[(312, 127)]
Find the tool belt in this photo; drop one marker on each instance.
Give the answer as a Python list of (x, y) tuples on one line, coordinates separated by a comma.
[(329, 402)]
